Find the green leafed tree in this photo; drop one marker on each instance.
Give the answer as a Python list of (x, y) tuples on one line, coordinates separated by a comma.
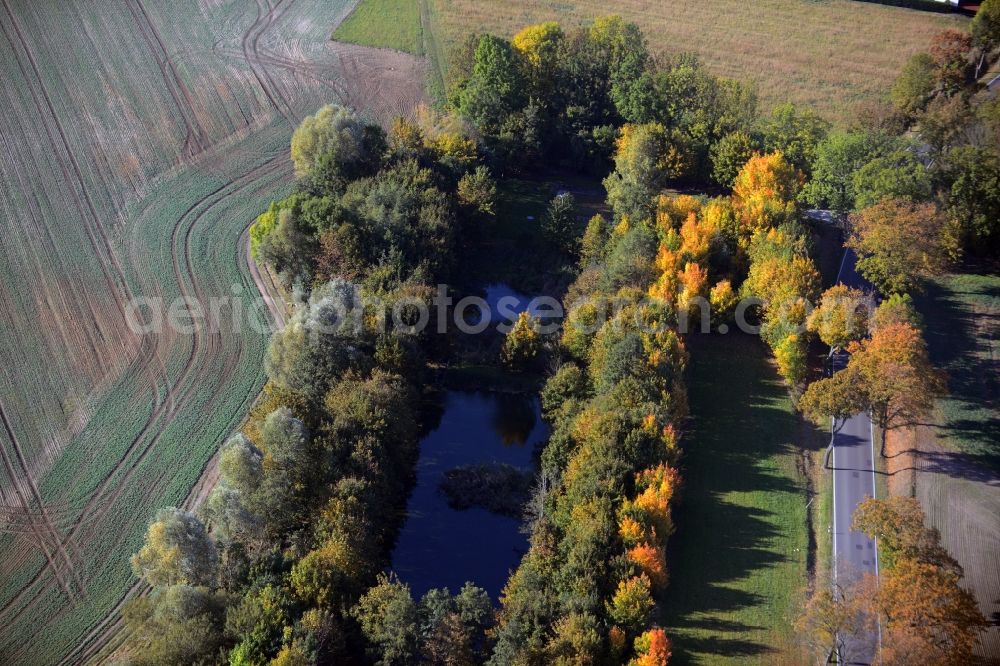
[(914, 86), (477, 193), (899, 173), (260, 620), (624, 49), (335, 142), (230, 505), (560, 225), (177, 551), (985, 31), (496, 87), (390, 621), (972, 194), (641, 170), (837, 159), (795, 133), (178, 624), (899, 244), (729, 154)]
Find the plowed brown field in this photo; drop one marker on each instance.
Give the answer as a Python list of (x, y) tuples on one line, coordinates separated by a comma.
[(137, 143)]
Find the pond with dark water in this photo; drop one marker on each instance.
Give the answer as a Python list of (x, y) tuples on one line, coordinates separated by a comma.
[(443, 547)]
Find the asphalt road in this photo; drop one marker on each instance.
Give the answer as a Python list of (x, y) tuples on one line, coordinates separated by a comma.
[(853, 481)]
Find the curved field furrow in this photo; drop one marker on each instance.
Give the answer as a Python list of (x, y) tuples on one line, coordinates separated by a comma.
[(142, 140), (249, 45), (110, 627), (101, 502), (103, 498)]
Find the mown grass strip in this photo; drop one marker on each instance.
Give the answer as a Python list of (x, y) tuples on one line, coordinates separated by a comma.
[(960, 316), (391, 24), (738, 563)]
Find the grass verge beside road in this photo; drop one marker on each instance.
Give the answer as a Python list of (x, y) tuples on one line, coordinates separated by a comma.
[(739, 558), (961, 316)]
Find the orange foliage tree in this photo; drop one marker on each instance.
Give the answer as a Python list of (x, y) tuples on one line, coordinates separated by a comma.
[(765, 191), (652, 649), (650, 560), (928, 614)]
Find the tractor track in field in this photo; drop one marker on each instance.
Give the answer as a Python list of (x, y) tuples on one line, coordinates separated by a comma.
[(66, 175), (147, 352), (264, 20), (167, 409), (115, 286), (42, 538), (98, 637), (297, 67), (83, 522), (89, 347), (95, 228), (33, 516), (174, 84)]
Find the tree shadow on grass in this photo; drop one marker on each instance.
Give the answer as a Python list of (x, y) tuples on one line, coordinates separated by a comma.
[(726, 530), (959, 340)]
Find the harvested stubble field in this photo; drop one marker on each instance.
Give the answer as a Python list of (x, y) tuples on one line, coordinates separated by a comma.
[(137, 143), (827, 54)]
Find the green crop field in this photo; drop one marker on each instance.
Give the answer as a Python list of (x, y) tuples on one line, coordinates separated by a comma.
[(391, 24), (138, 141), (827, 54), (742, 537)]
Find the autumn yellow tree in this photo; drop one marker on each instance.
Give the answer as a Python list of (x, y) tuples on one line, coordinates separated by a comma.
[(631, 603), (888, 374), (898, 524), (899, 244), (842, 316), (697, 236), (765, 191), (899, 381), (522, 348), (672, 211), (657, 488), (930, 619), (927, 617), (539, 46), (785, 279)]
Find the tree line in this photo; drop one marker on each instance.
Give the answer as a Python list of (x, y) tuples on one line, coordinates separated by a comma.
[(279, 565), (917, 607), (285, 563)]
